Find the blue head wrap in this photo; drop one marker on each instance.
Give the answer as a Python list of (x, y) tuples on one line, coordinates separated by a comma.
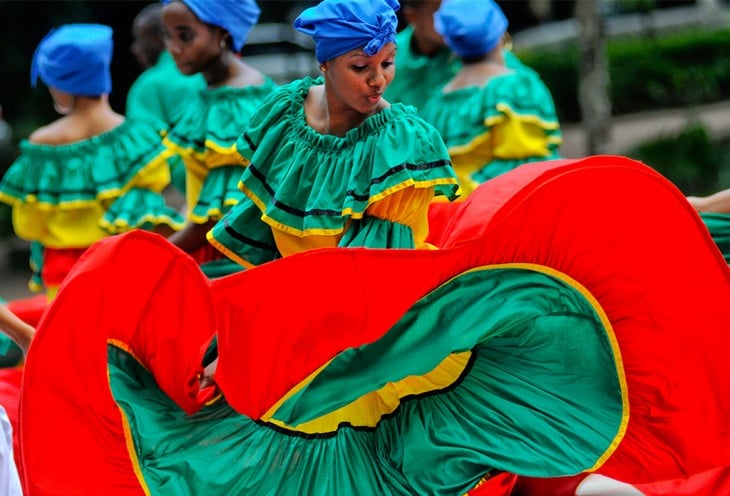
[(339, 26), (471, 28), (75, 58), (235, 16)]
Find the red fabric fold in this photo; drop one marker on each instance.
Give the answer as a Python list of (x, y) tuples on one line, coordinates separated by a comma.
[(613, 225)]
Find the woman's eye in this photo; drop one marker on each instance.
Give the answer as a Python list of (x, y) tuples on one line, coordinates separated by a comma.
[(359, 68), (387, 64)]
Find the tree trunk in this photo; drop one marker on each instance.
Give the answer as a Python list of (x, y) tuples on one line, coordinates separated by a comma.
[(593, 79)]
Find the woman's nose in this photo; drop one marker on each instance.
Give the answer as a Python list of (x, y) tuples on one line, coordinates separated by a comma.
[(377, 78)]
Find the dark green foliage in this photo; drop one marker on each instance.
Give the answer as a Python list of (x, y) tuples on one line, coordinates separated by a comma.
[(646, 73), (690, 159), (559, 71), (631, 6)]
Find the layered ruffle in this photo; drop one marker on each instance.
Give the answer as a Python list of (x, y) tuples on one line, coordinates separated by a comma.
[(205, 138), (59, 193), (218, 194), (140, 209)]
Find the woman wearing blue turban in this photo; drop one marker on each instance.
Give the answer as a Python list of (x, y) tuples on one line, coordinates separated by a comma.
[(89, 173), (331, 163), (204, 37), (495, 114)]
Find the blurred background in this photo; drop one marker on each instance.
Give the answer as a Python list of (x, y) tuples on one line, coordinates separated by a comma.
[(649, 79)]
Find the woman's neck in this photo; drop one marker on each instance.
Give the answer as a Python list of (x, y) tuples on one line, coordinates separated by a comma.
[(477, 72), (420, 45), (89, 117), (231, 70), (94, 115), (91, 106)]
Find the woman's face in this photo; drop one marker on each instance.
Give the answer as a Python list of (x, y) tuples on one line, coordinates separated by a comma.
[(421, 19), (358, 80), (147, 43), (193, 44)]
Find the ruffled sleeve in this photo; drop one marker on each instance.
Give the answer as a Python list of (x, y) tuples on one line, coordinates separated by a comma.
[(302, 184), (205, 138)]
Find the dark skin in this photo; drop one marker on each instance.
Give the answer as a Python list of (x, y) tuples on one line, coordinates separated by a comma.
[(198, 47), (353, 87), (419, 15), (147, 32)]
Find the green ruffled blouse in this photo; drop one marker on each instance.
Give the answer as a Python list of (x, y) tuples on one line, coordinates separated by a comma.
[(205, 138), (62, 194), (306, 184)]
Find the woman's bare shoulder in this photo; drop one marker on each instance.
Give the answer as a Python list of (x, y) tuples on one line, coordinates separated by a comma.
[(55, 133)]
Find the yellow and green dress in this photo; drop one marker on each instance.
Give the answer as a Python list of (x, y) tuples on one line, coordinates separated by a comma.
[(66, 197), (492, 129), (160, 95), (205, 139), (304, 190)]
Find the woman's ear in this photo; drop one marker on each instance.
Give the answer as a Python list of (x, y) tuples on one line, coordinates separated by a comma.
[(224, 40)]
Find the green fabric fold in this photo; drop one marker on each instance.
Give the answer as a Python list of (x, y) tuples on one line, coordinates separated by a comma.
[(219, 193), (541, 396), (372, 232)]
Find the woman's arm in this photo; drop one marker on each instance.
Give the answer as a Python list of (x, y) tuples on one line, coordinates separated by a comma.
[(718, 202), (16, 329), (192, 236)]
